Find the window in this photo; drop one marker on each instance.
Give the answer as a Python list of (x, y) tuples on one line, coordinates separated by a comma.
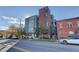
[(78, 23), (61, 25), (47, 19), (61, 34), (69, 24)]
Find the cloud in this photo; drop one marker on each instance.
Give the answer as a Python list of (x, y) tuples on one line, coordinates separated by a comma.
[(9, 18), (13, 22), (3, 28), (23, 23), (16, 21), (23, 19), (27, 16)]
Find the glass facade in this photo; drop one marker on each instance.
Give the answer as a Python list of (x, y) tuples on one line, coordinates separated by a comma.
[(26, 25), (54, 30), (47, 20), (30, 24)]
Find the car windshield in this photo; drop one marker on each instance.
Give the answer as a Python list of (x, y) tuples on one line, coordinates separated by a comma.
[(73, 37)]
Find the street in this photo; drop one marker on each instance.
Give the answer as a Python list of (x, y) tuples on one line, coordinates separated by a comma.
[(40, 46)]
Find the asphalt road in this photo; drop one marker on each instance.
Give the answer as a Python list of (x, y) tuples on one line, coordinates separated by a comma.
[(40, 46)]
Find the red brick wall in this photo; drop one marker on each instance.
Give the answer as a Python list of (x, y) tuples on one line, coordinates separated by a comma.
[(65, 29), (42, 19)]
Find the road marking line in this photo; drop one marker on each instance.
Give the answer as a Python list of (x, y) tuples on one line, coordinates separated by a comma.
[(21, 49)]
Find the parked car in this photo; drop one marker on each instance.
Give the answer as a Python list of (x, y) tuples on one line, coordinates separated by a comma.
[(70, 40)]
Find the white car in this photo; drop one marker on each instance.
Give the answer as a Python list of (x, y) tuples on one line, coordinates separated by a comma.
[(70, 40)]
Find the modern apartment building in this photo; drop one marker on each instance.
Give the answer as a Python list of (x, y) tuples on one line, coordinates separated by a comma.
[(46, 20), (67, 27), (30, 24)]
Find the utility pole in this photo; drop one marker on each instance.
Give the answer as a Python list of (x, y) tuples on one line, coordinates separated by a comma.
[(20, 22), (21, 18)]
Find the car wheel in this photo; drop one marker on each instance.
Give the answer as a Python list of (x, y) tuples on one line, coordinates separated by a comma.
[(65, 42)]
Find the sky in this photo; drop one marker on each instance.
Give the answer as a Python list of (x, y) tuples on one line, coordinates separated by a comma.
[(12, 14)]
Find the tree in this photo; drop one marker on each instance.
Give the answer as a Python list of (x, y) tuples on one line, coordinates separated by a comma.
[(37, 31), (1, 34), (17, 31), (20, 32), (41, 31), (12, 29)]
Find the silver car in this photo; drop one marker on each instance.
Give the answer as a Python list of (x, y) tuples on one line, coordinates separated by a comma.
[(70, 40)]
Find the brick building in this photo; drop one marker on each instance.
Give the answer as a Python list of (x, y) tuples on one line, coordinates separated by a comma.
[(67, 27), (46, 20)]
